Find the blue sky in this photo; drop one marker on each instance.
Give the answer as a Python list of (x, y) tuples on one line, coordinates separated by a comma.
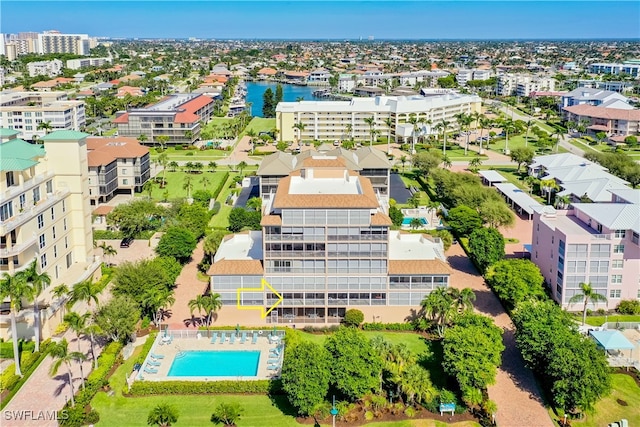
[(351, 19)]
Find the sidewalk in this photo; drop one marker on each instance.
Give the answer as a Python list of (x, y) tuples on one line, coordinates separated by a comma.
[(42, 395), (515, 392)]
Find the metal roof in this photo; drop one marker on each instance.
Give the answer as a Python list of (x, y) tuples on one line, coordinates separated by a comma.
[(519, 197), (612, 340), (492, 176), (64, 135)]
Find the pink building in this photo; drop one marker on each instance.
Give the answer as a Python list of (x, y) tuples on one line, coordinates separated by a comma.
[(596, 243)]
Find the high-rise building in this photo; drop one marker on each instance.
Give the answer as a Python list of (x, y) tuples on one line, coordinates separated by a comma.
[(45, 216), (55, 42)]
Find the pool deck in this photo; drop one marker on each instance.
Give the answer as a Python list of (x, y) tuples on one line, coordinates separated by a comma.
[(191, 343)]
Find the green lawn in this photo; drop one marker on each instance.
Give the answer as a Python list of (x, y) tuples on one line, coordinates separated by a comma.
[(175, 182), (260, 124), (221, 219), (609, 410), (196, 410), (191, 155), (599, 320)]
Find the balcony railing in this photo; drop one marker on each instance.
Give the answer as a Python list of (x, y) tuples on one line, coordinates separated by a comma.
[(30, 211), (26, 186), (16, 249)]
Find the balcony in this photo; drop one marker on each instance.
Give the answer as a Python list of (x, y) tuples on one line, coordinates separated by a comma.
[(31, 211), (18, 248), (16, 190)]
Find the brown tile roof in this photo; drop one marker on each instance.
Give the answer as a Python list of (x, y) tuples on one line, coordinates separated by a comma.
[(191, 107), (268, 71), (380, 219), (419, 266), (323, 163), (271, 220), (102, 210), (117, 147), (366, 200), (236, 267), (604, 112), (99, 158)]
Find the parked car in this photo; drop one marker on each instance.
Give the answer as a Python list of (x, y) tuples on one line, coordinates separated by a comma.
[(126, 242)]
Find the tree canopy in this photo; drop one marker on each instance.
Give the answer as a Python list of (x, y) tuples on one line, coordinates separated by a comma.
[(486, 246), (515, 280), (118, 318), (463, 220), (426, 161), (178, 243), (306, 375)]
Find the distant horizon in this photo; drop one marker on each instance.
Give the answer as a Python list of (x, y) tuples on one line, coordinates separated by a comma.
[(326, 20)]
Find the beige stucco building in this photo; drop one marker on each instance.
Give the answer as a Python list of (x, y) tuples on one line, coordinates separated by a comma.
[(45, 216)]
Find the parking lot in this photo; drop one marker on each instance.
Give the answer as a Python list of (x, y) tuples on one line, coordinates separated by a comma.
[(137, 250)]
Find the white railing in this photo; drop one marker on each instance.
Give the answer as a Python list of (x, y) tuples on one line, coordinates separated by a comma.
[(17, 248)]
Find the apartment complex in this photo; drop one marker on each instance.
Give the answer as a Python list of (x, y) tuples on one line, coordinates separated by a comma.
[(45, 68), (524, 84), (75, 64), (45, 215), (596, 97), (464, 76), (336, 120), (116, 165), (24, 111), (326, 246), (177, 117), (596, 243), (632, 68), (56, 42)]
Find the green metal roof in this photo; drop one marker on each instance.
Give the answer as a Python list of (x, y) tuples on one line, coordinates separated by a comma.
[(18, 155), (64, 135), (4, 132)]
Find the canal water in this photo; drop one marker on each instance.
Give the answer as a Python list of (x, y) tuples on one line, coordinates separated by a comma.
[(290, 93)]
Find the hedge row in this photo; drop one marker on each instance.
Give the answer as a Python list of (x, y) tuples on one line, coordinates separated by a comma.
[(28, 363), (6, 348), (150, 388), (77, 416), (387, 327), (218, 189), (146, 347)]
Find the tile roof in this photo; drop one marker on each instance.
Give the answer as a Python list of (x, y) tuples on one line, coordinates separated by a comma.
[(225, 267), (119, 147), (603, 112), (102, 210), (417, 266), (99, 158), (190, 108), (271, 220), (121, 119), (381, 219)]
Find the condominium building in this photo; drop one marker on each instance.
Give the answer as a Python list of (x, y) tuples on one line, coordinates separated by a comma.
[(464, 76), (613, 121), (633, 69), (595, 243), (45, 68), (24, 111), (367, 161), (117, 165), (55, 42), (326, 246), (336, 120), (620, 87), (524, 84), (75, 64), (596, 97), (177, 116), (45, 215)]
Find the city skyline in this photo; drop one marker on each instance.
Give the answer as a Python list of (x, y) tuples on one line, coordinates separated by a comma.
[(322, 20)]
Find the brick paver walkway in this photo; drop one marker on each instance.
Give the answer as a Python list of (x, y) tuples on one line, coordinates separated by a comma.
[(187, 288), (515, 392), (42, 395)]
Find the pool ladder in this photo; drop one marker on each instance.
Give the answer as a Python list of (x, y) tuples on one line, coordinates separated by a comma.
[(180, 353)]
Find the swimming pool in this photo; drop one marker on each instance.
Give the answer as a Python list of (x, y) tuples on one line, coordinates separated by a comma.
[(407, 220), (215, 364)]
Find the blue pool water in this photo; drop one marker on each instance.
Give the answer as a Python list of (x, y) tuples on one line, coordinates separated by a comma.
[(407, 221), (215, 364)]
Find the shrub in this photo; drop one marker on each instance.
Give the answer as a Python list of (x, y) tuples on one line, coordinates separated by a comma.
[(6, 348), (178, 148), (387, 326), (353, 317), (150, 388), (107, 235), (190, 153), (146, 347), (628, 307), (227, 413), (410, 412), (216, 208)]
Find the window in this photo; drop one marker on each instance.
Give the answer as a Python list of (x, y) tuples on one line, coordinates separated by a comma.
[(635, 237), (23, 200), (64, 207), (64, 224), (36, 195), (125, 182), (55, 251), (620, 234), (40, 221), (614, 293), (617, 263), (69, 259), (53, 232), (53, 214), (6, 211), (43, 261), (66, 242), (10, 179), (49, 186), (124, 171), (618, 249), (599, 266), (616, 278), (42, 241)]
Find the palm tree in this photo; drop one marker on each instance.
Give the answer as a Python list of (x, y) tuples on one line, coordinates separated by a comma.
[(142, 138), (463, 299), (15, 288), (475, 164), (148, 187), (485, 123), (349, 128), (173, 165), (241, 166), (464, 120), (403, 160), (416, 385), (78, 323), (212, 166), (444, 125), (530, 182), (549, 186), (107, 250), (208, 303), (507, 126), (252, 135), (371, 121), (562, 201), (300, 127), (36, 282), (47, 126), (163, 415), (188, 135), (205, 181), (86, 291), (61, 355), (415, 121), (59, 292), (439, 305), (163, 159), (526, 138), (188, 185), (155, 301), (389, 124), (162, 140), (588, 295), (446, 162)]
